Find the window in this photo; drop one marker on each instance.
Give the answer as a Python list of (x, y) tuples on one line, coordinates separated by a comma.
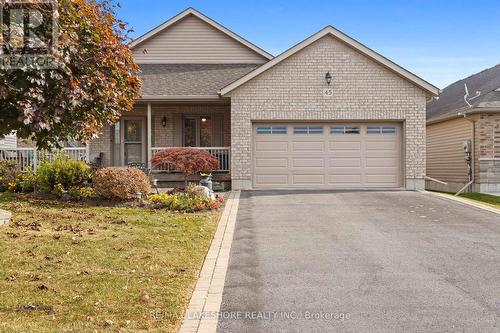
[(300, 130), (388, 130), (198, 131), (344, 130), (381, 130), (308, 130), (271, 130)]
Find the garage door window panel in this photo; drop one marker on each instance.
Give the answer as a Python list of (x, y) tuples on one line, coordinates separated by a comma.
[(308, 130), (271, 129), (340, 130), (381, 130)]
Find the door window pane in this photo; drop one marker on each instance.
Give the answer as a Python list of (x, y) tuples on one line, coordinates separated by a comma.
[(133, 130), (133, 153), (190, 132), (206, 132)]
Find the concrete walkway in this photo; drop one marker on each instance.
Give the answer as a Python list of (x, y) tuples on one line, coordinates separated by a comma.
[(361, 262)]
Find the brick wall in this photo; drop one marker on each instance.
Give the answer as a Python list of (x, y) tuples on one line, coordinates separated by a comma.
[(489, 152), (293, 90), (102, 144), (489, 129)]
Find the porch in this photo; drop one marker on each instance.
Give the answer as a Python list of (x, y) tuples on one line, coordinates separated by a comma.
[(155, 126)]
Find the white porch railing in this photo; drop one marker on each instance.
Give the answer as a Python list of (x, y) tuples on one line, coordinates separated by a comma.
[(31, 158), (222, 154)]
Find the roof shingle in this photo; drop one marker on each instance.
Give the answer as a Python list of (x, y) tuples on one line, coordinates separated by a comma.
[(189, 79), (451, 99)]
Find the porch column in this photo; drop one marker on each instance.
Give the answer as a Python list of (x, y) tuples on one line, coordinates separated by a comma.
[(149, 140)]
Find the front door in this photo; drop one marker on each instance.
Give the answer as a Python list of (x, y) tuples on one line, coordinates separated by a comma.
[(133, 141), (198, 131)]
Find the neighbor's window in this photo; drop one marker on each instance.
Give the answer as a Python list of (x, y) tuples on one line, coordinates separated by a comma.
[(308, 130), (344, 130), (381, 129), (271, 129)]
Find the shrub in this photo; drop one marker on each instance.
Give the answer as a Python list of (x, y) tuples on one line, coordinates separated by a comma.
[(59, 190), (8, 173), (64, 172), (120, 183), (189, 161), (82, 193), (184, 202), (24, 182)]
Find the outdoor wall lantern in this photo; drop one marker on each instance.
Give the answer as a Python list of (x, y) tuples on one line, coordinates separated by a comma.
[(328, 78), (164, 121)]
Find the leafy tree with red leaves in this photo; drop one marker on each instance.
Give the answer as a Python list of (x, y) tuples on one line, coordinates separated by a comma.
[(189, 161), (93, 82)]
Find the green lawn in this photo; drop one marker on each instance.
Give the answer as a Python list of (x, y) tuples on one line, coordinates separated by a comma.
[(74, 268), (487, 199)]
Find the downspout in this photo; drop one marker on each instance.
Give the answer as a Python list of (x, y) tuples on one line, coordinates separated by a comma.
[(473, 157), (467, 99)]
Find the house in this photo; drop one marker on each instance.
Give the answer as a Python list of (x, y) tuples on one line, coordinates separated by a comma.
[(8, 141), (327, 113), (458, 117)]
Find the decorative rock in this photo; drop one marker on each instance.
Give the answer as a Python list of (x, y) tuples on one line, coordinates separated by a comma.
[(5, 217), (205, 192)]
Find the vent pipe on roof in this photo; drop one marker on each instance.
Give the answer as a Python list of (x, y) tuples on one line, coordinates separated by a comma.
[(468, 97)]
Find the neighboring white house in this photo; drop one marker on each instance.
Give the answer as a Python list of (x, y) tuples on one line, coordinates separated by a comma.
[(8, 141)]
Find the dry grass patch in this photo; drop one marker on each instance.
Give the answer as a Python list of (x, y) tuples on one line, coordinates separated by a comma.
[(68, 267)]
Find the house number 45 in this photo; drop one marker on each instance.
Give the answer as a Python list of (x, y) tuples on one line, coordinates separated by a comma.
[(328, 92)]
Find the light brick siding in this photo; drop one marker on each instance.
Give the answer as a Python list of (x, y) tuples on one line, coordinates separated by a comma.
[(489, 152), (168, 136), (293, 90), (102, 145), (489, 135)]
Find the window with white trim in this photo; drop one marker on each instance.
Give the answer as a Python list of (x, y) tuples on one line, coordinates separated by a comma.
[(271, 129), (345, 130), (381, 129), (308, 130)]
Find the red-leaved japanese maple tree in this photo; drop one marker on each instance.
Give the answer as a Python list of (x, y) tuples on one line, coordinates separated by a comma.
[(189, 161)]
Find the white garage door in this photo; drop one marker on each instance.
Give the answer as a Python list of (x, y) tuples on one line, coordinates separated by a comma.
[(329, 155)]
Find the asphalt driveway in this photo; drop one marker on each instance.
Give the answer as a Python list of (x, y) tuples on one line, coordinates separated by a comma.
[(361, 262)]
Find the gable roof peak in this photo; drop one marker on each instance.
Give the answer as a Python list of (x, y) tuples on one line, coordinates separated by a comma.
[(334, 32), (192, 11)]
